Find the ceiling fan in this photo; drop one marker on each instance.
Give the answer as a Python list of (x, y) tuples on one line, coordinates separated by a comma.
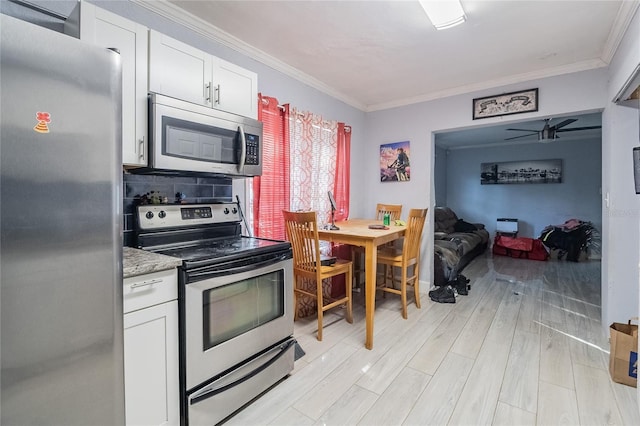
[(549, 133)]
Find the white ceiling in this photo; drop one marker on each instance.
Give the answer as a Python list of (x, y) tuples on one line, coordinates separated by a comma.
[(380, 54)]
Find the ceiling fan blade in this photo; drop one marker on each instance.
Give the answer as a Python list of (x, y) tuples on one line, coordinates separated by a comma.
[(524, 130), (564, 123), (523, 136), (573, 129)]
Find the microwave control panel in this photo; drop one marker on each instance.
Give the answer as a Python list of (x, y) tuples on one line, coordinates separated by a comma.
[(253, 149)]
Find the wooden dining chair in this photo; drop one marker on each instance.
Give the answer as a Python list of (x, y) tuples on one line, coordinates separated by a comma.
[(406, 258), (357, 253), (302, 231)]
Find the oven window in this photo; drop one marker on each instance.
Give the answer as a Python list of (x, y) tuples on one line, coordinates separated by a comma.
[(234, 309)]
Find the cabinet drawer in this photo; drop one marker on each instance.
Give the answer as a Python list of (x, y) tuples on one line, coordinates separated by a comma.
[(152, 289)]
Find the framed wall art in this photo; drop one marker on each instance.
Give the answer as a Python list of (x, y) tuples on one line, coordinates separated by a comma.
[(506, 104), (534, 171), (394, 162)]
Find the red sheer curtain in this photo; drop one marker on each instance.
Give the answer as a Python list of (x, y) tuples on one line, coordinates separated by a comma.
[(271, 192), (343, 166), (341, 194)]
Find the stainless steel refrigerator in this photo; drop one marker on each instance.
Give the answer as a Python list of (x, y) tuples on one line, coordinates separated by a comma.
[(61, 242)]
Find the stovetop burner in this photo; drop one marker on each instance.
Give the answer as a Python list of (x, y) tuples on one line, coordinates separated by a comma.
[(199, 233), (224, 248)]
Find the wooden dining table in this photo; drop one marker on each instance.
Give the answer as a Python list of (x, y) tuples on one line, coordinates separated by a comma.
[(357, 232)]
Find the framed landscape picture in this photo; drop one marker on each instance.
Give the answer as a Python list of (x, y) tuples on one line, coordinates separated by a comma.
[(534, 171), (394, 162)]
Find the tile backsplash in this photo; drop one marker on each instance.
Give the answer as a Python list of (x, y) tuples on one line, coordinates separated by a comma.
[(195, 190)]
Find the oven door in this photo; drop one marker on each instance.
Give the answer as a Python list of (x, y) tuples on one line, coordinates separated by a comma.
[(231, 317)]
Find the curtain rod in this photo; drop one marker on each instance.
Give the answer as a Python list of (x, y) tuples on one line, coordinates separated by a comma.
[(40, 9), (347, 127)]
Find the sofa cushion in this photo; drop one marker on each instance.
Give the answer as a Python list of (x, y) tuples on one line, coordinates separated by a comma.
[(444, 220), (462, 226)]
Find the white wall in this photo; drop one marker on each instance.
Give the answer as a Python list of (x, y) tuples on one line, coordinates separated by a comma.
[(621, 216)]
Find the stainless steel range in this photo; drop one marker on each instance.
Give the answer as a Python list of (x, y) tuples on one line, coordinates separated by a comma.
[(235, 305)]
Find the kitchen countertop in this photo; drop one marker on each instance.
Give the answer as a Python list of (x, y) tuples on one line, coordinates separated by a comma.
[(139, 262)]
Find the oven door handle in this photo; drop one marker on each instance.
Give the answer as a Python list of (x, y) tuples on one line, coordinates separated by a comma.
[(209, 392), (209, 272)]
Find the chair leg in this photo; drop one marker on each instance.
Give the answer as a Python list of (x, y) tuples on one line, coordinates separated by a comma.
[(348, 289), (358, 269), (295, 299), (403, 292), (320, 302), (416, 285), (385, 277)]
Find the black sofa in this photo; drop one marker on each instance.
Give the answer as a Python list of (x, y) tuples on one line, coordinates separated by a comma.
[(456, 243)]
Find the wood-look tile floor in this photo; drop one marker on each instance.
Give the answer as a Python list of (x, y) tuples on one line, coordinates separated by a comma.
[(525, 347)]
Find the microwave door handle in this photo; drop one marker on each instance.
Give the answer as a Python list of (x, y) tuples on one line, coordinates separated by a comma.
[(243, 151)]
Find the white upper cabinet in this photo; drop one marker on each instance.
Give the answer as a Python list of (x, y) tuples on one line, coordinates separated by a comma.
[(106, 29), (181, 71), (235, 89)]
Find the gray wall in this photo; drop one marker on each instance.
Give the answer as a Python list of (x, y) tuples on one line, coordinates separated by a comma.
[(534, 205), (440, 176)]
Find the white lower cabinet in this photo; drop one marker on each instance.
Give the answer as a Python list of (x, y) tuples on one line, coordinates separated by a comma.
[(151, 349)]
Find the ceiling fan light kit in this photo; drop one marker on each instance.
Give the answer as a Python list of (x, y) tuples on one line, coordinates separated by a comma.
[(546, 139)]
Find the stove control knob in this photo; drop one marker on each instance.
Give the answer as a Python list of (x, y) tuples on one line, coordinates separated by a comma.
[(226, 210), (162, 214), (234, 210), (149, 215)]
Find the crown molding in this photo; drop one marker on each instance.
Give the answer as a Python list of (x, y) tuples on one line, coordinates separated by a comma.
[(215, 34), (620, 26), (485, 85)]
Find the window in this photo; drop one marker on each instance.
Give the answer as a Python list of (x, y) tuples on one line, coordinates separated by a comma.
[(304, 157)]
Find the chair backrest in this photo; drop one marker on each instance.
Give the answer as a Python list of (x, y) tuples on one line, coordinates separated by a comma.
[(413, 234), (394, 211), (302, 231)]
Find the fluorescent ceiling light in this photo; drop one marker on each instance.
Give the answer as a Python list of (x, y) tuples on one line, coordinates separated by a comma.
[(444, 13)]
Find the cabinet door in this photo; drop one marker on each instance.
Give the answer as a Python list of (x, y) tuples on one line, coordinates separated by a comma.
[(235, 89), (179, 70), (102, 28), (151, 365)]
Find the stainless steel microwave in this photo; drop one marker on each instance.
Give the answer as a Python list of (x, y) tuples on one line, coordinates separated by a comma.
[(186, 138)]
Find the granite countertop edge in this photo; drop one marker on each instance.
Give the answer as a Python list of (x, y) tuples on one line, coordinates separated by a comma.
[(139, 262)]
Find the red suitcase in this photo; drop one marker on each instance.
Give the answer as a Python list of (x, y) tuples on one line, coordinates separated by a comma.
[(520, 248)]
